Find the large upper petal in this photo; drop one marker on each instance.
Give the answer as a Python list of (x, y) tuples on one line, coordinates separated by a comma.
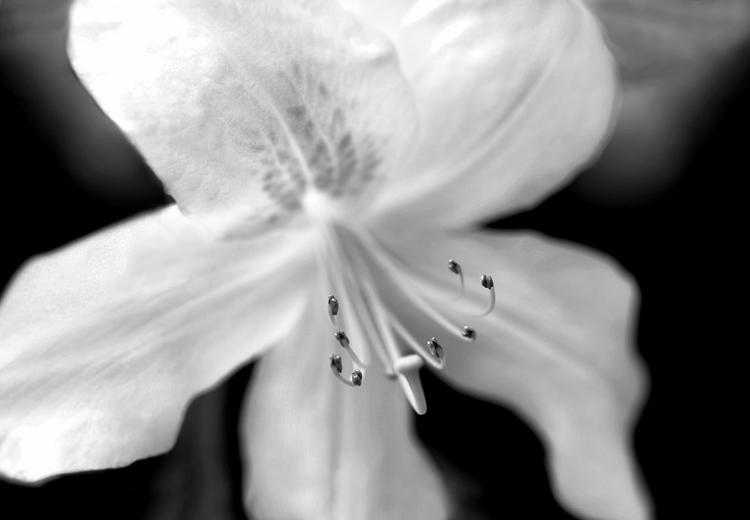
[(316, 449), (513, 95), (384, 15), (245, 106), (558, 349), (104, 342)]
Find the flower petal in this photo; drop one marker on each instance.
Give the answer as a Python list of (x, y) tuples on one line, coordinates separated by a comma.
[(319, 450), (557, 349), (514, 95), (384, 15), (246, 105), (104, 342)]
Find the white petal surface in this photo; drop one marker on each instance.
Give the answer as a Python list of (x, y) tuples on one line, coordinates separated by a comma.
[(244, 106), (558, 349), (319, 450), (104, 342), (384, 15), (513, 95)]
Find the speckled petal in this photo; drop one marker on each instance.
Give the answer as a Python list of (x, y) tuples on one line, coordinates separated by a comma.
[(247, 106)]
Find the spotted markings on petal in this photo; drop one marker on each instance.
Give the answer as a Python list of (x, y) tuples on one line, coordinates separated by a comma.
[(311, 147), (248, 106)]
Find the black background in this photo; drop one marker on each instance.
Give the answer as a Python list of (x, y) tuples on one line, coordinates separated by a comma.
[(684, 247)]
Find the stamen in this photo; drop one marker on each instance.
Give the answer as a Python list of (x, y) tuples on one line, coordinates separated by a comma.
[(343, 340), (383, 330), (336, 363), (333, 308), (408, 368), (455, 267), (415, 345), (469, 333), (435, 349), (386, 263), (349, 289), (489, 284), (337, 368)]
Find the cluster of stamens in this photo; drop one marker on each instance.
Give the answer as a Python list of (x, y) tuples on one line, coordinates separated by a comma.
[(336, 365), (406, 366)]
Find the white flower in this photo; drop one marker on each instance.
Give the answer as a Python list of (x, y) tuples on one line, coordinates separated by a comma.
[(312, 154)]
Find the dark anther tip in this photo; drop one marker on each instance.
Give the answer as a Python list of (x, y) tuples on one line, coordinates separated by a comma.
[(435, 349), (469, 333), (336, 362), (333, 305)]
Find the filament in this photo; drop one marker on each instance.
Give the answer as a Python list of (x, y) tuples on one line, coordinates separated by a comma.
[(416, 299), (489, 284), (336, 369), (343, 340), (415, 345), (385, 333), (366, 298), (353, 325)]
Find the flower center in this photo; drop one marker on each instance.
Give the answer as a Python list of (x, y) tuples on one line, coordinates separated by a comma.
[(356, 270), (314, 155)]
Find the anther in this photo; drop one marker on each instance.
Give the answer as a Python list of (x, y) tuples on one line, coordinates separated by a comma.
[(455, 268), (435, 349), (336, 362), (489, 284), (333, 308), (333, 305), (343, 340), (408, 368), (469, 333), (337, 368)]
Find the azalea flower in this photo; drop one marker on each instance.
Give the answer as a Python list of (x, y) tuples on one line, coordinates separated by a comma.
[(331, 169)]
